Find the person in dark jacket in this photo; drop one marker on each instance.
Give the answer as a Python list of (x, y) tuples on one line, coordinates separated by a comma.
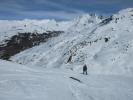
[(85, 69)]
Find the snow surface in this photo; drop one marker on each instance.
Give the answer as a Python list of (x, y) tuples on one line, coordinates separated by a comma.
[(25, 83)]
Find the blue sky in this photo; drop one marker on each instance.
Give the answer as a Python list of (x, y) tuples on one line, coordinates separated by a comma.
[(58, 9)]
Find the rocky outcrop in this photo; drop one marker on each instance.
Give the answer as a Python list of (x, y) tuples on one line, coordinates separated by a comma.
[(23, 41)]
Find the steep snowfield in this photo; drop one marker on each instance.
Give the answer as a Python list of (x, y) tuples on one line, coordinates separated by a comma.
[(25, 83), (106, 46)]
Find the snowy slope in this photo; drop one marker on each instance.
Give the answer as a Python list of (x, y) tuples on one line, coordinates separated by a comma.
[(65, 40), (24, 83), (104, 45)]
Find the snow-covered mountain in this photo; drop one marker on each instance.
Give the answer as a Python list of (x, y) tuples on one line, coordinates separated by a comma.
[(104, 44), (51, 70), (16, 36), (10, 28)]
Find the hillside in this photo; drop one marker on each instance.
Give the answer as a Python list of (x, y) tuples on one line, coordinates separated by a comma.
[(17, 36), (105, 45)]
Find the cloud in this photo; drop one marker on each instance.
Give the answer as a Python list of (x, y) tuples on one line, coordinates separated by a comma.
[(59, 15), (58, 9), (27, 11), (10, 6)]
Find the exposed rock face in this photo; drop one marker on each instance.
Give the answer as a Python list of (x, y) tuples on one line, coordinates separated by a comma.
[(22, 41)]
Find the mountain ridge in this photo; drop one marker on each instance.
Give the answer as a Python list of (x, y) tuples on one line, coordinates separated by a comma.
[(105, 45)]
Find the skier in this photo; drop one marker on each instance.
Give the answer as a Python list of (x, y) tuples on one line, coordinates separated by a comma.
[(85, 69)]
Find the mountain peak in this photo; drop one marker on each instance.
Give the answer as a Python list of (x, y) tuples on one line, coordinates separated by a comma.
[(86, 19), (126, 12)]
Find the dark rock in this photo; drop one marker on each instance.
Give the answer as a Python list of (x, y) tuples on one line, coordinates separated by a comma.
[(23, 41), (106, 21)]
